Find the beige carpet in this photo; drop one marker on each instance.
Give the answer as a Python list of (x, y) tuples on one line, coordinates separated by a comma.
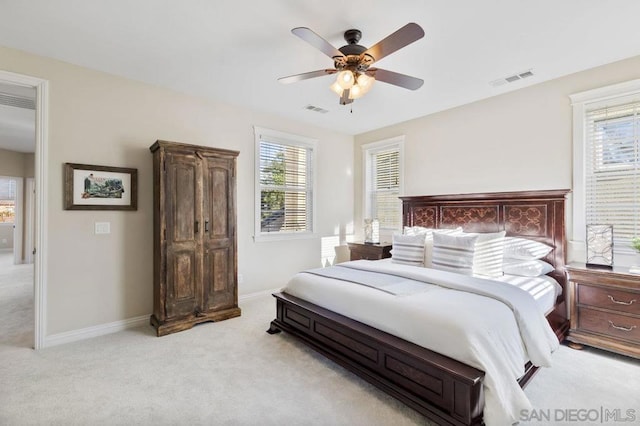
[(16, 303), (233, 373)]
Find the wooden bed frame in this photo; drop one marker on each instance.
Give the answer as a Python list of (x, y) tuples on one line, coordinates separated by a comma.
[(444, 390)]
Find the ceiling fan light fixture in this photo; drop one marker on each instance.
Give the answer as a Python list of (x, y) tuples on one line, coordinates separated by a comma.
[(365, 82), (346, 79), (336, 88), (351, 63), (356, 92)]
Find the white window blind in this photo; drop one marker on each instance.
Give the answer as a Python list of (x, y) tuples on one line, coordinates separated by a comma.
[(612, 170), (383, 164), (285, 184), (386, 189)]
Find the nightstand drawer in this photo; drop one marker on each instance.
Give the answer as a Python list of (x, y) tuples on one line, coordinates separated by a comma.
[(621, 326), (617, 300)]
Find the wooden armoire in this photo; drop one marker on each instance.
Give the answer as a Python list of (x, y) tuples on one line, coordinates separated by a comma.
[(195, 244)]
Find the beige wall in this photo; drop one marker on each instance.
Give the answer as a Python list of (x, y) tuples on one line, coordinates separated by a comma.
[(12, 163), (517, 141), (96, 118), (29, 162)]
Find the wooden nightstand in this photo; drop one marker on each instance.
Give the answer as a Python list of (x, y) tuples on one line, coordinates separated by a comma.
[(369, 251), (604, 309)]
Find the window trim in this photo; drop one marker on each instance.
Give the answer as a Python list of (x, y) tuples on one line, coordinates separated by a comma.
[(262, 133), (367, 151), (581, 103)]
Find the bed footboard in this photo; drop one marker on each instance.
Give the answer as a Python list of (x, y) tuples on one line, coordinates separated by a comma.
[(442, 389)]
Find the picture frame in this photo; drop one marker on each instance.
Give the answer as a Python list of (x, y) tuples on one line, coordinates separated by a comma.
[(91, 187), (600, 246)]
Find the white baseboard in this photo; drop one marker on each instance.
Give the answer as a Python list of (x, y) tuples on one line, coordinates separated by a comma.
[(94, 331), (113, 327)]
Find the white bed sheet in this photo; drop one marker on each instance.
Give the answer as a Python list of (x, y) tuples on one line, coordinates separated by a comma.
[(484, 332), (544, 289)]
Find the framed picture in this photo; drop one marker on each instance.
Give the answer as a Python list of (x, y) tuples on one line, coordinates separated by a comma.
[(100, 187), (600, 246)]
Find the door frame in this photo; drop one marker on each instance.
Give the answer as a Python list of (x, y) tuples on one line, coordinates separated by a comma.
[(41, 172), (18, 222), (29, 218)]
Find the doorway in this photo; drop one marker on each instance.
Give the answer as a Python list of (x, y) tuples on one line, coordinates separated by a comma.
[(39, 204)]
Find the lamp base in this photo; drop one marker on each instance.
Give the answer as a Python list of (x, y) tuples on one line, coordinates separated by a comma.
[(598, 266)]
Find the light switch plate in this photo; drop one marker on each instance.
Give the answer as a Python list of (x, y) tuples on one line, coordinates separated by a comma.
[(103, 228)]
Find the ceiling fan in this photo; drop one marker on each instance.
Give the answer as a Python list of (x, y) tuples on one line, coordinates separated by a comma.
[(352, 62)]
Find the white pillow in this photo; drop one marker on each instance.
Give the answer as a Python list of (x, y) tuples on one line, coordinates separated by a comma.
[(417, 230), (469, 254), (524, 249), (408, 249), (428, 244), (454, 252), (526, 268), (428, 238)]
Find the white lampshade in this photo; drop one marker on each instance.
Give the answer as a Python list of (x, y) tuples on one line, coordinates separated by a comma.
[(336, 88), (345, 79), (375, 231), (365, 82), (356, 92)]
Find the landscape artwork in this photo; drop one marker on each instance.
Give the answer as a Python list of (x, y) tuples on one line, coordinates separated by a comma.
[(100, 187)]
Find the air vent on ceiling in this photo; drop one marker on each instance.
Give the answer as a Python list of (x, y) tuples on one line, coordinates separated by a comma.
[(511, 78), (316, 109), (17, 101)]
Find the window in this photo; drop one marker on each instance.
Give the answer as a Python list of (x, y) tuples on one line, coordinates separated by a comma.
[(383, 182), (285, 167), (7, 200), (607, 163)]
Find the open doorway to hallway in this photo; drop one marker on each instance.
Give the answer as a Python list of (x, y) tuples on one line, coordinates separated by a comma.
[(17, 213)]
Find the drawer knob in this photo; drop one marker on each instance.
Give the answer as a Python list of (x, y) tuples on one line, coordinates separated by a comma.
[(620, 302), (619, 327)]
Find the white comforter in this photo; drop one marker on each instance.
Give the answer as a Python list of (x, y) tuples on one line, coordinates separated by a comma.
[(496, 328)]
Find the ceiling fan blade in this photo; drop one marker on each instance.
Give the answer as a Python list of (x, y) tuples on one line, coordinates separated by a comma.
[(397, 79), (316, 41), (401, 38), (306, 76)]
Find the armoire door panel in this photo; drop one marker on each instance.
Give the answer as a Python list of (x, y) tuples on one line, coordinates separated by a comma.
[(218, 202), (181, 199), (183, 275), (182, 283), (219, 264), (218, 197), (219, 274)]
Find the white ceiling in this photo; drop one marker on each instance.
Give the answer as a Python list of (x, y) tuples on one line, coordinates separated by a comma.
[(17, 124), (235, 50)]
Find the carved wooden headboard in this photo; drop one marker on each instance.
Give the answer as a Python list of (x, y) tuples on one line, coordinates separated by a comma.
[(536, 215)]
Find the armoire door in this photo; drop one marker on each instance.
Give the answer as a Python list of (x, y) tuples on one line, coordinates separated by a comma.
[(182, 206), (219, 268)]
